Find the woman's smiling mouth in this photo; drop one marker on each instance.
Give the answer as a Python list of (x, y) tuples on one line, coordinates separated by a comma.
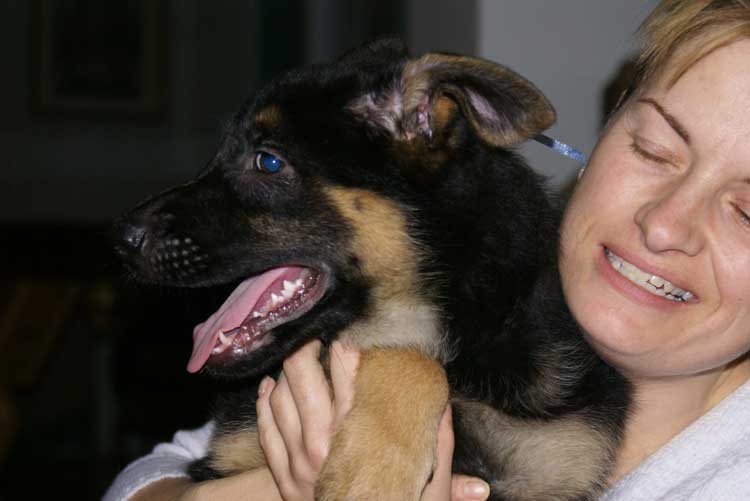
[(652, 283)]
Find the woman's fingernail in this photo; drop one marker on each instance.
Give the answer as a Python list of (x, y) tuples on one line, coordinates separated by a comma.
[(264, 384), (476, 489)]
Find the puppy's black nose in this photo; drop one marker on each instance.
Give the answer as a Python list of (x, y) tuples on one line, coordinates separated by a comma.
[(127, 237)]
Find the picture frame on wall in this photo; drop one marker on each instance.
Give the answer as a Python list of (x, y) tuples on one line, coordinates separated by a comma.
[(99, 58)]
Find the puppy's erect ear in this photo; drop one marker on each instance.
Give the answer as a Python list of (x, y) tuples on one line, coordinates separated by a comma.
[(501, 107)]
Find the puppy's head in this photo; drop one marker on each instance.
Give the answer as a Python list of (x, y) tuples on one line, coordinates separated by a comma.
[(312, 204)]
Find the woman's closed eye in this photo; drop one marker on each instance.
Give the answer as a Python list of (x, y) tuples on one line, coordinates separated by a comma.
[(743, 214), (648, 151)]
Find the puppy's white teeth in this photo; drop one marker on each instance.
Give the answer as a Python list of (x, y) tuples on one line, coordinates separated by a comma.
[(263, 311), (224, 339), (224, 342), (687, 296), (668, 287), (289, 289)]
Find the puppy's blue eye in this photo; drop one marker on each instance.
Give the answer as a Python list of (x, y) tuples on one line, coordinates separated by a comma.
[(266, 162)]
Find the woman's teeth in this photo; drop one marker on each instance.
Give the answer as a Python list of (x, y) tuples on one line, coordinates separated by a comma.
[(652, 283)]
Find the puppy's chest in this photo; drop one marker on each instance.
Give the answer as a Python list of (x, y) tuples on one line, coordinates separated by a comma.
[(400, 324)]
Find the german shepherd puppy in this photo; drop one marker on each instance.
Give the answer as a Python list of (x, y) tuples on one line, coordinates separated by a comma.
[(378, 200)]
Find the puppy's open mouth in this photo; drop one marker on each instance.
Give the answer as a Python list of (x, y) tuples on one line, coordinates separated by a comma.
[(258, 305)]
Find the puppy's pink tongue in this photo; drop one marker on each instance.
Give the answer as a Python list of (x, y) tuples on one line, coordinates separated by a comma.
[(231, 314), (203, 345)]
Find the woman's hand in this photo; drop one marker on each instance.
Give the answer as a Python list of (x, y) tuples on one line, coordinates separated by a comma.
[(298, 415)]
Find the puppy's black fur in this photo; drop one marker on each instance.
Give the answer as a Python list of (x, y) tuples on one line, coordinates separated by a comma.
[(400, 188)]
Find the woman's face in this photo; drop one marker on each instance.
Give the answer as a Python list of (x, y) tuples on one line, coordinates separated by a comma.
[(655, 250)]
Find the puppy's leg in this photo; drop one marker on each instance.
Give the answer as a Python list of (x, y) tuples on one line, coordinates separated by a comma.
[(386, 447), (566, 458)]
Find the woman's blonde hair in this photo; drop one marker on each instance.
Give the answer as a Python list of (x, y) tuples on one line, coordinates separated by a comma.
[(681, 32)]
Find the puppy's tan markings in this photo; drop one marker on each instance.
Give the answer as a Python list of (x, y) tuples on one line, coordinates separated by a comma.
[(434, 151), (237, 452), (270, 116), (358, 204), (402, 311), (443, 111), (385, 449), (389, 256)]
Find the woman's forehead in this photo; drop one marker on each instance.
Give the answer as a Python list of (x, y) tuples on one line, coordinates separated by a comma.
[(710, 101)]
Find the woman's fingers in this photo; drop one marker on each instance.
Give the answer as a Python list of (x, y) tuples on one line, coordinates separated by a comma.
[(285, 415), (439, 488), (465, 488), (343, 363), (271, 440), (296, 415), (312, 398)]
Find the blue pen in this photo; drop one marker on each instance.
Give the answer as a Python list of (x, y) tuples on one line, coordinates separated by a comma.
[(561, 147)]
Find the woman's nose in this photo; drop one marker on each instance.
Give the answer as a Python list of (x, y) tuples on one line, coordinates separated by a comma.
[(672, 222)]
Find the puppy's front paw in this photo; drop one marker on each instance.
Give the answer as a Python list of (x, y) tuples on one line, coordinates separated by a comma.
[(370, 466), (386, 447)]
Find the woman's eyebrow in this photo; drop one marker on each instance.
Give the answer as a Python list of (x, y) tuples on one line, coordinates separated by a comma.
[(672, 121)]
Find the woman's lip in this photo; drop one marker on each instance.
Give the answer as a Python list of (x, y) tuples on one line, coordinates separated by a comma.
[(628, 288)]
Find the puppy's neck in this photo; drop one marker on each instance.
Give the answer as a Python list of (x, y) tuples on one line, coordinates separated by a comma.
[(415, 324)]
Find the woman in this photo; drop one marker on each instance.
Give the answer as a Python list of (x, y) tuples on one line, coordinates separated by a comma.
[(655, 265)]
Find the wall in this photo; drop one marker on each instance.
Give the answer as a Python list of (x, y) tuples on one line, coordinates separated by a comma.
[(57, 169), (442, 25), (568, 49)]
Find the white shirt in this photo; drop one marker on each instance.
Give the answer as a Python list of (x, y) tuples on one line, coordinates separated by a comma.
[(168, 460), (708, 461)]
